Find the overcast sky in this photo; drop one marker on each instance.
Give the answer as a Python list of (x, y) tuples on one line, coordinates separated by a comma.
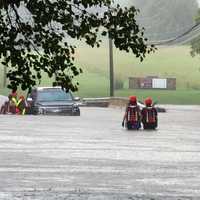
[(198, 2)]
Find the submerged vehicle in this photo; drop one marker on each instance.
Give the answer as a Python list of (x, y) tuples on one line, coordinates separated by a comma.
[(52, 101)]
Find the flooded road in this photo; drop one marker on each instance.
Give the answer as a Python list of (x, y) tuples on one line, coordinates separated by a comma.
[(93, 157)]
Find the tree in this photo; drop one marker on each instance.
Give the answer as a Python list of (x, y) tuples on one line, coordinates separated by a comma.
[(195, 43), (35, 37)]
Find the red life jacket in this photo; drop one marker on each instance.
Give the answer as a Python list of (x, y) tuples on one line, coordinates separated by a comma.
[(132, 114), (150, 115)]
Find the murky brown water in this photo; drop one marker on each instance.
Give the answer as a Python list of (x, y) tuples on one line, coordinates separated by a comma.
[(92, 157)]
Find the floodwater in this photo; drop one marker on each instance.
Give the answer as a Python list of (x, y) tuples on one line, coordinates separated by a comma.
[(93, 157)]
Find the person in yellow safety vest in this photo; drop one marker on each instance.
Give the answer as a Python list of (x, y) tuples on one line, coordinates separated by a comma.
[(13, 103), (21, 105)]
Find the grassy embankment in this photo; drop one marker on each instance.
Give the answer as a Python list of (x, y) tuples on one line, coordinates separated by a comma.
[(166, 62)]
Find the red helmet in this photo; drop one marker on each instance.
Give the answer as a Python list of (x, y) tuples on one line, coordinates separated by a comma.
[(148, 101), (22, 97), (14, 94), (133, 99)]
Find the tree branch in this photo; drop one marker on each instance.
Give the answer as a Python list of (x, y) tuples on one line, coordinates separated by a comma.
[(20, 28), (9, 17)]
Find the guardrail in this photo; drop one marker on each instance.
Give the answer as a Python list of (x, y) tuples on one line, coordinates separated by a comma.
[(112, 101)]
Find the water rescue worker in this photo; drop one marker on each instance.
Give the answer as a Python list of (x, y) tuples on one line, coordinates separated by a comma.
[(21, 105), (12, 106), (149, 115), (132, 116)]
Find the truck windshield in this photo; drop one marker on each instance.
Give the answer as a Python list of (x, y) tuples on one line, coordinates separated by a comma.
[(54, 95)]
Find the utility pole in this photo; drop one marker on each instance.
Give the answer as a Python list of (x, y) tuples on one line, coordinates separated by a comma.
[(111, 68)]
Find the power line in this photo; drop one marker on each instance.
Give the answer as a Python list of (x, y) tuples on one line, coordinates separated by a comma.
[(180, 39)]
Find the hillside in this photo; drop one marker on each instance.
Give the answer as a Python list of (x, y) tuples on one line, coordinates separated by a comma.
[(164, 19)]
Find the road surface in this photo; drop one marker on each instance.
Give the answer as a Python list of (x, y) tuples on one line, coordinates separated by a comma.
[(92, 157)]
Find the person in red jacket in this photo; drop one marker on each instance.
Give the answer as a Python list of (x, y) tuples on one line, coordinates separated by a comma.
[(132, 116), (149, 115)]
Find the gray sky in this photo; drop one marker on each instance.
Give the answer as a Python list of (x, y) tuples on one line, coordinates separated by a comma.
[(198, 2)]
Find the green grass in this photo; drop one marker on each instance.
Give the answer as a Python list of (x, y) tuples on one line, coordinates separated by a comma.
[(93, 85), (166, 62)]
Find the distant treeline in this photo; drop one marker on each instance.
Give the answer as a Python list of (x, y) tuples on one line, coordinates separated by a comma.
[(164, 19)]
